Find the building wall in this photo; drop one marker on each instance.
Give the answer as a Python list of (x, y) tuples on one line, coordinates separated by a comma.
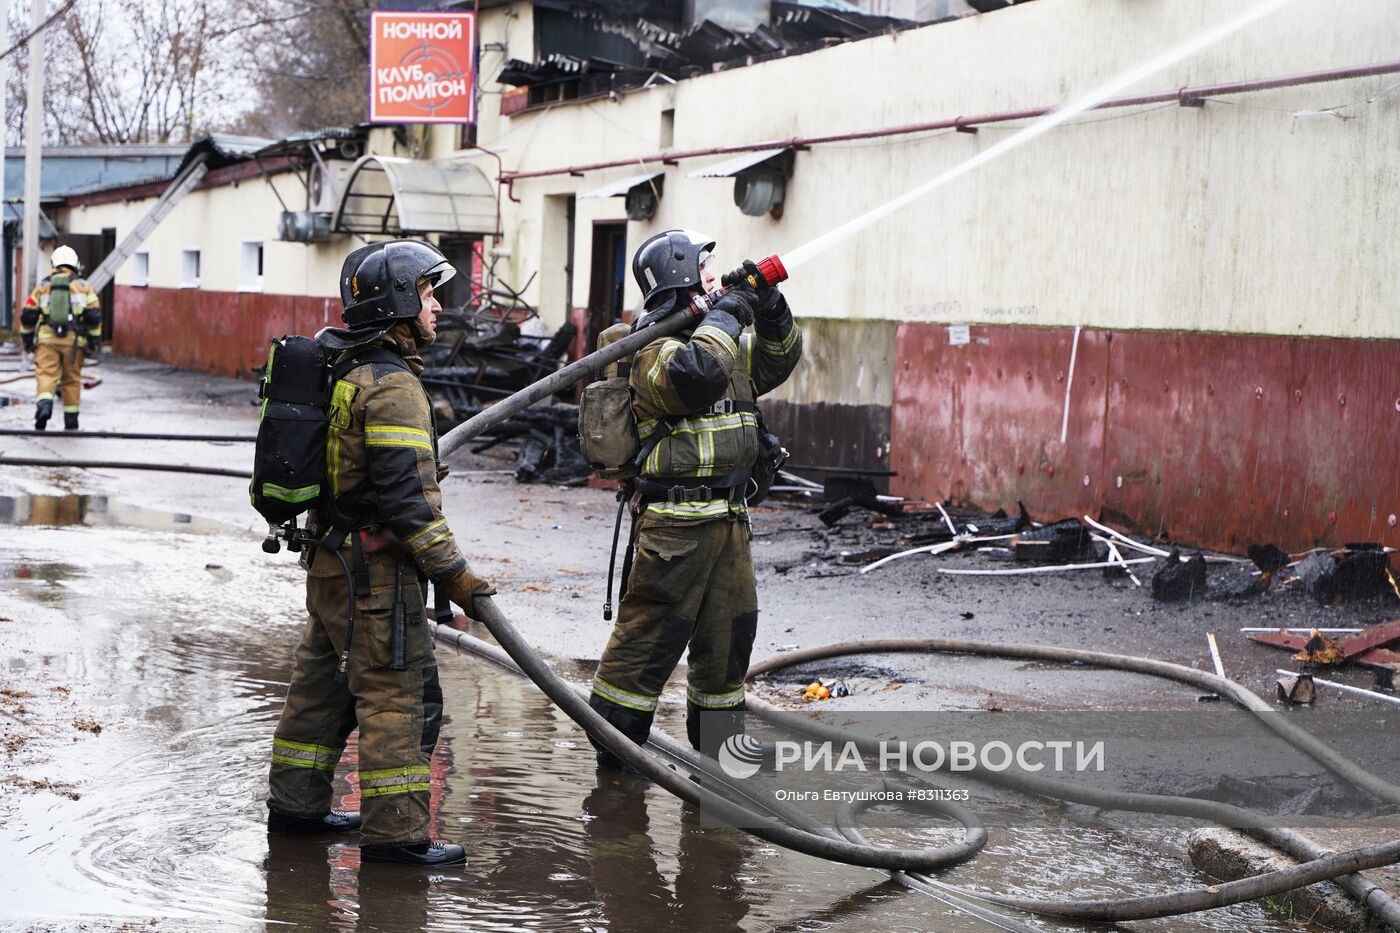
[(1228, 264), (223, 324), (1234, 377), (1235, 217)]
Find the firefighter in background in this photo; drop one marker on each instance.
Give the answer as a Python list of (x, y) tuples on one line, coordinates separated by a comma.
[(60, 324), (386, 522), (692, 582)]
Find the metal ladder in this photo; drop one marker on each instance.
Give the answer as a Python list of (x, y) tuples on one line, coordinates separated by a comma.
[(183, 184)]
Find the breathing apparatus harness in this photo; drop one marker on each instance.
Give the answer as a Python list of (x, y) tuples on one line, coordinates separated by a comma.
[(610, 441), (305, 398)]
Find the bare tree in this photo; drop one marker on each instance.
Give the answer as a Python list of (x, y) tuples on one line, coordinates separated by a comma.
[(307, 64), (150, 71), (138, 71)]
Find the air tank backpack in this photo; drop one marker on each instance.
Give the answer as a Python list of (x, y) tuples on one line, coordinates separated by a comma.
[(302, 394), (58, 313)]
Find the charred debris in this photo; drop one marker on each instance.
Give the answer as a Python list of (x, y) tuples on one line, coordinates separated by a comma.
[(480, 358), (867, 531)]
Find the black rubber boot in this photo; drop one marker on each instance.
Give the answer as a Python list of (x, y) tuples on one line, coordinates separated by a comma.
[(70, 421), (43, 411), (426, 854), (634, 724), (336, 821)]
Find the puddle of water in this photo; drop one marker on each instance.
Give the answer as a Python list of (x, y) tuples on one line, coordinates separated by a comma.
[(170, 823), (98, 511)]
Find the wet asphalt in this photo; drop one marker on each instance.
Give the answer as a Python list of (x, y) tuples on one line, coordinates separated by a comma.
[(145, 643)]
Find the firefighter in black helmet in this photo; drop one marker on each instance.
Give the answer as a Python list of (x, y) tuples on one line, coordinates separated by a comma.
[(692, 582), (386, 521)]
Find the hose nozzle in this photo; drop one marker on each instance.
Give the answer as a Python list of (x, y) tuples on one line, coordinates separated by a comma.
[(769, 272)]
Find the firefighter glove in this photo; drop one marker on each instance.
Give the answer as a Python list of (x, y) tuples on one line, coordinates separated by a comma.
[(738, 303), (769, 303), (463, 585)]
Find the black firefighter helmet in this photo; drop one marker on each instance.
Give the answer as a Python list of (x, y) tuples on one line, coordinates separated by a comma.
[(379, 282), (670, 261)]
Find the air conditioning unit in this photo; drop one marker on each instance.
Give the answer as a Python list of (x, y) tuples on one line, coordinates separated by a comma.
[(759, 191), (305, 227), (327, 184), (641, 199)]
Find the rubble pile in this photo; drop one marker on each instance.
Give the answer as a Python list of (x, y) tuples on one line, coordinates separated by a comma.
[(475, 362)]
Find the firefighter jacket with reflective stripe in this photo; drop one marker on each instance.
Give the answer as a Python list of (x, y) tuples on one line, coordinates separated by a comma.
[(680, 379), (381, 459), (84, 310)]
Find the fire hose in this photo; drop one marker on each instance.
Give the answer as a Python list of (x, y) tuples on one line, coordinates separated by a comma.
[(1319, 864), (782, 826)]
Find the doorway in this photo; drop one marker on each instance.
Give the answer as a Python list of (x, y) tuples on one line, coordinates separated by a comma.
[(608, 278)]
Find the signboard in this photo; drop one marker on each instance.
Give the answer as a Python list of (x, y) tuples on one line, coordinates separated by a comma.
[(421, 67)]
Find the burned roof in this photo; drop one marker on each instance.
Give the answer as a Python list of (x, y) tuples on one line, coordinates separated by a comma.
[(612, 45)]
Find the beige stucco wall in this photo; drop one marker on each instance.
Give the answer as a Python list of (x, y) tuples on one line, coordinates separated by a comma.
[(216, 221), (1237, 217)]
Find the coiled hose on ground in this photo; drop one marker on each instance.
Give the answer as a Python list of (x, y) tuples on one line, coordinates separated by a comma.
[(1320, 864)]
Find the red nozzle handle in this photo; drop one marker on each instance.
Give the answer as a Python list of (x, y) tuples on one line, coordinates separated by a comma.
[(770, 273)]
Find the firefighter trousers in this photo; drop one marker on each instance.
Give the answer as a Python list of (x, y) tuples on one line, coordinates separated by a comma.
[(689, 585), (399, 712), (59, 364)]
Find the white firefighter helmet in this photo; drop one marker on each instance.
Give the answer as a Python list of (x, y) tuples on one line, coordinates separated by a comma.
[(66, 256)]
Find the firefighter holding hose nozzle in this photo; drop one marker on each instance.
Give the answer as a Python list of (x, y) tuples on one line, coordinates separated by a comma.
[(702, 457)]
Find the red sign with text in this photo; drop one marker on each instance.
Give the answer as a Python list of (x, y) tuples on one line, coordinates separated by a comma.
[(421, 67)]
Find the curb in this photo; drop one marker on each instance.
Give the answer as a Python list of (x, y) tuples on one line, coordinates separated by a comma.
[(1230, 856)]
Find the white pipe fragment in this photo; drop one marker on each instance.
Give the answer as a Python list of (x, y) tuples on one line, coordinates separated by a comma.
[(1125, 539), (1215, 656), (1020, 570), (952, 530), (1117, 556), (1148, 549), (1348, 688), (938, 548)]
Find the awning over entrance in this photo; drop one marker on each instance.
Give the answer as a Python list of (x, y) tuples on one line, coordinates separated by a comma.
[(394, 196)]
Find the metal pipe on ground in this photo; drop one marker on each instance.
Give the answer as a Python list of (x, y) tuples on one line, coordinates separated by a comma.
[(124, 465), (130, 435)]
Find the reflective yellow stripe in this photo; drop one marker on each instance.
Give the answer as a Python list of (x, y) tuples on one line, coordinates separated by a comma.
[(652, 376), (715, 700), (442, 532), (389, 781), (725, 340), (780, 347), (397, 435), (709, 509), (303, 755), (397, 789), (396, 430), (396, 442), (424, 530), (384, 774), (622, 697)]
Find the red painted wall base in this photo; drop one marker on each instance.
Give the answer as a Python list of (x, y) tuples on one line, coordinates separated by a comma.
[(1219, 440), (225, 333)]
